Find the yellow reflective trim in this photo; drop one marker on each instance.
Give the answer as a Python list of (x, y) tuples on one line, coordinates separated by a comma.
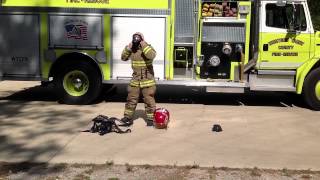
[(128, 113), (136, 4), (126, 50), (147, 81), (142, 83), (147, 85), (134, 84), (141, 63), (146, 49), (138, 64)]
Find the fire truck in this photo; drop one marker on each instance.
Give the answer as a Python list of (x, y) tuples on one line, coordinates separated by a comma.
[(222, 46)]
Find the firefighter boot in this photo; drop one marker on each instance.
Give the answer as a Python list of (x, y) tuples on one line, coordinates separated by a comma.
[(126, 121), (149, 122)]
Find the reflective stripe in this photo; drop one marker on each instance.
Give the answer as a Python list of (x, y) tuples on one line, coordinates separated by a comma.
[(126, 54), (128, 112), (142, 83), (134, 84), (147, 83), (147, 49), (149, 115), (127, 51), (141, 63)]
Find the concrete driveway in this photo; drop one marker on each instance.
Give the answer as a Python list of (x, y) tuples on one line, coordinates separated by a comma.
[(265, 130)]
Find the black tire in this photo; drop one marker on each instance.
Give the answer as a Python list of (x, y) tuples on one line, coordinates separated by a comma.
[(309, 89), (93, 83)]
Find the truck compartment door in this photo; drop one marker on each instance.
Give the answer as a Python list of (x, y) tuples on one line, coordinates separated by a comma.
[(280, 47), (19, 45), (153, 29)]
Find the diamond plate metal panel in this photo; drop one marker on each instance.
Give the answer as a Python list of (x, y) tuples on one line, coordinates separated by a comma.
[(184, 21), (224, 32)]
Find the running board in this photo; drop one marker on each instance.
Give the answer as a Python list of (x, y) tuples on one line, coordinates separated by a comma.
[(191, 83), (273, 81), (225, 89), (277, 72)]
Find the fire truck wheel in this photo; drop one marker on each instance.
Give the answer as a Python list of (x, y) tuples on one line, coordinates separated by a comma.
[(78, 83), (311, 89)]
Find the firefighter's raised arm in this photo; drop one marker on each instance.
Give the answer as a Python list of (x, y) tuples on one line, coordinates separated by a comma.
[(148, 50), (126, 52)]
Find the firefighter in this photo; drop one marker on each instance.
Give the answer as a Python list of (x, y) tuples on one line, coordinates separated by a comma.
[(141, 55)]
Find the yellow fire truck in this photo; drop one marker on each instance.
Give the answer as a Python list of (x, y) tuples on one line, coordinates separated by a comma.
[(223, 46)]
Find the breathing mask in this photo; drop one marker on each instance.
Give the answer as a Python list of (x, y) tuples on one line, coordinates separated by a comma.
[(136, 39)]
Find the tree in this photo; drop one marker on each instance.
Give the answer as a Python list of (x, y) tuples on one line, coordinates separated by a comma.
[(314, 6)]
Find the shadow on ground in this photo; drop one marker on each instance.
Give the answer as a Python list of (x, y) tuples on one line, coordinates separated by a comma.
[(18, 114), (17, 127), (196, 95), (19, 111), (176, 95)]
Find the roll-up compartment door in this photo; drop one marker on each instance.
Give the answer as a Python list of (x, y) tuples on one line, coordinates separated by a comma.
[(153, 29)]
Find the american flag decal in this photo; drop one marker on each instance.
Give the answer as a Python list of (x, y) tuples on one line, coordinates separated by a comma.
[(77, 31)]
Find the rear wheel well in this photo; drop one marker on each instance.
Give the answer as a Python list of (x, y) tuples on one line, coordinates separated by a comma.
[(77, 78), (69, 59)]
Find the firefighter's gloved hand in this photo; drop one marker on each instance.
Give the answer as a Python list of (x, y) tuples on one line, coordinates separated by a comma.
[(130, 46)]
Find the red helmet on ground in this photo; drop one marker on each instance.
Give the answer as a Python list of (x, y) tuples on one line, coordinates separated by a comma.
[(161, 118)]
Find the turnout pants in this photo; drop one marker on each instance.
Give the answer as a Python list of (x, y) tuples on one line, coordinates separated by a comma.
[(133, 99)]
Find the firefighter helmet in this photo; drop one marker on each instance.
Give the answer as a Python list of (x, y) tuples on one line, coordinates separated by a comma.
[(161, 118)]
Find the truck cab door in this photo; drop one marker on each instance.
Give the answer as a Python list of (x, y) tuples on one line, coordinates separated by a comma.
[(285, 35)]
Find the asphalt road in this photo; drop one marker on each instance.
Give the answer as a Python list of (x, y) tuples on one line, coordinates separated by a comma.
[(265, 130)]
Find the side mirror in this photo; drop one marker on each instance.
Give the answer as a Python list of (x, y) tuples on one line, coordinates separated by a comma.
[(292, 28), (281, 3)]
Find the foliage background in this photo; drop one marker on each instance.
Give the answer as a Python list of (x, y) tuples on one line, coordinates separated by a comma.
[(314, 6)]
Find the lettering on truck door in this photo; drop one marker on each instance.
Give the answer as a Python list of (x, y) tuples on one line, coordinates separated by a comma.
[(284, 36)]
